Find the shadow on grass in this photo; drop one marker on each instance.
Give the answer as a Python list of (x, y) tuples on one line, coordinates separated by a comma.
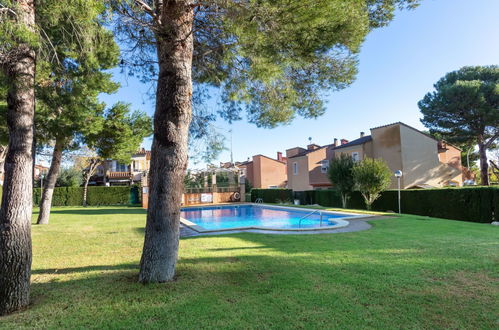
[(248, 285), (85, 269), (101, 211)]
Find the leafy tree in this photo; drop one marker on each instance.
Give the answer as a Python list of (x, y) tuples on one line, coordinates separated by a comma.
[(31, 33), (341, 176), (194, 180), (17, 67), (272, 59), (372, 177), (116, 135), (464, 108), (69, 177), (67, 93)]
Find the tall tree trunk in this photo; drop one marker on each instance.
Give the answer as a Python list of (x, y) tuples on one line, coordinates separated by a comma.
[(169, 148), (484, 166), (17, 199), (50, 180)]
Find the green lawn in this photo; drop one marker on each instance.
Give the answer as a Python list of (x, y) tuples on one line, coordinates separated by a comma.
[(407, 272)]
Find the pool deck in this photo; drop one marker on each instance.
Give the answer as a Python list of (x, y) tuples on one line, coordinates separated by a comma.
[(355, 225)]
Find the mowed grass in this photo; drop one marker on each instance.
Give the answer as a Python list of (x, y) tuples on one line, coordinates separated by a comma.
[(407, 272)]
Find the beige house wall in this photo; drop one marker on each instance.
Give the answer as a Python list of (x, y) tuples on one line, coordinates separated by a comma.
[(299, 182), (316, 177), (268, 172), (421, 162), (364, 150), (386, 144)]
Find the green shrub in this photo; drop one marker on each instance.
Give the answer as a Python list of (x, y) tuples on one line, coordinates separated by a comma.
[(97, 196), (372, 177), (272, 195), (477, 204)]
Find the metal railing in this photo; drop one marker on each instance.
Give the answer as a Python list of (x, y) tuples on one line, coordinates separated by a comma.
[(203, 190), (306, 216)]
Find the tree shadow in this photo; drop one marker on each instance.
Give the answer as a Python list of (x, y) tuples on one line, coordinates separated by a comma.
[(101, 211), (240, 289), (85, 269)]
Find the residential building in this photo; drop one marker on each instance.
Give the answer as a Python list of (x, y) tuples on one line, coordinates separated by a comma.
[(114, 173), (424, 161), (40, 170), (265, 172)]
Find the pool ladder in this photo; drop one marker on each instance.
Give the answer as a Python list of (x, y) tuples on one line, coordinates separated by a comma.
[(303, 218), (259, 201)]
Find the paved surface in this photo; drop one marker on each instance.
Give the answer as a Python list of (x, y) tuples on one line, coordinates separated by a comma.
[(355, 225)]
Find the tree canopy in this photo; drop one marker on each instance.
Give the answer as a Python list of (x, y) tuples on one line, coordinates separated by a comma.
[(464, 109), (340, 174), (272, 60)]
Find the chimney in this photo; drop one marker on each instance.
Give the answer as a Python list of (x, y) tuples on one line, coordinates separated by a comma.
[(362, 134), (279, 156), (336, 142), (343, 141)]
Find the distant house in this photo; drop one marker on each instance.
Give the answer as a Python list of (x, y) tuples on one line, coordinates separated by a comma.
[(117, 174), (265, 172), (425, 161), (40, 170)]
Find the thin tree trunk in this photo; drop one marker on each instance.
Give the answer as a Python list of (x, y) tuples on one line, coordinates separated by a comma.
[(484, 166), (92, 167), (50, 180), (105, 167), (85, 191), (169, 149), (17, 199), (344, 199)]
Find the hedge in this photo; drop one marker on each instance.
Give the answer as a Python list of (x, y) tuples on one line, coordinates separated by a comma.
[(272, 195), (476, 204), (97, 196)]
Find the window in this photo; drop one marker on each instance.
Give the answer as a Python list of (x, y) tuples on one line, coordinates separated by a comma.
[(355, 156), (121, 168), (324, 166), (273, 187), (295, 168)]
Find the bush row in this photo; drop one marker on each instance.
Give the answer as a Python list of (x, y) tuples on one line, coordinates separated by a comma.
[(272, 195), (97, 196), (479, 204)]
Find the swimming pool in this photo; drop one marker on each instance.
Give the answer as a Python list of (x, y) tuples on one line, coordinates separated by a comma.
[(255, 216)]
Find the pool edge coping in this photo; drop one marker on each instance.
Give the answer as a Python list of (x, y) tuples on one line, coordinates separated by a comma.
[(340, 222)]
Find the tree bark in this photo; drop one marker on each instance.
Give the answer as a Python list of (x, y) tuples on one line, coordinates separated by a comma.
[(344, 200), (169, 148), (50, 180), (17, 199), (85, 191), (3, 154), (484, 166), (94, 163)]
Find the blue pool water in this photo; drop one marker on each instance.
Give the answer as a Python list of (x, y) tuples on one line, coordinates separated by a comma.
[(225, 217)]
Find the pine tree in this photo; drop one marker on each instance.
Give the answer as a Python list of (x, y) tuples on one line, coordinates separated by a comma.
[(272, 59)]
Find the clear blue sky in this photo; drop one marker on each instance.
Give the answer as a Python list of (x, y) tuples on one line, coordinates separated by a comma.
[(398, 65)]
